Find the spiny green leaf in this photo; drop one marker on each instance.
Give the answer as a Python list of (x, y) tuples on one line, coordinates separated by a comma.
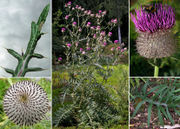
[(155, 88), (43, 16), (36, 55), (169, 116), (33, 39), (145, 87), (9, 70), (149, 113), (137, 107), (163, 111), (15, 54), (160, 116), (178, 112), (35, 69)]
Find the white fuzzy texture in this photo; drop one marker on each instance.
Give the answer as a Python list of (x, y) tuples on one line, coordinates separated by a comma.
[(26, 111), (156, 45)]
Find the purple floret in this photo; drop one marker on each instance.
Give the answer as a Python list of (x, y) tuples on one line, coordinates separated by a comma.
[(162, 18)]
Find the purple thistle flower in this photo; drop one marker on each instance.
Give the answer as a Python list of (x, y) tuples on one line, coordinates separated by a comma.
[(114, 21), (69, 3), (81, 49), (104, 44), (60, 59), (88, 24), (94, 36), (110, 33), (63, 29), (162, 18), (112, 49), (98, 28), (74, 23), (116, 41), (68, 45), (156, 38), (83, 52), (66, 17), (103, 33), (88, 48)]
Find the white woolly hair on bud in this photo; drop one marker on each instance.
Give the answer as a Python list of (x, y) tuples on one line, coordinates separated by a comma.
[(156, 45)]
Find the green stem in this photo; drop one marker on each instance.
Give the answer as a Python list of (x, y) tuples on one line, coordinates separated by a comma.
[(156, 69)]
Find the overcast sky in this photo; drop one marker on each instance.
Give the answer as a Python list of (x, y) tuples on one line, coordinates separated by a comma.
[(15, 27)]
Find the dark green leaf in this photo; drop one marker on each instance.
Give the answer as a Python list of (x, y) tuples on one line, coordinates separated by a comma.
[(36, 55), (160, 116), (43, 16), (9, 70), (149, 113), (15, 54), (178, 112), (137, 107), (163, 111), (169, 116), (34, 69)]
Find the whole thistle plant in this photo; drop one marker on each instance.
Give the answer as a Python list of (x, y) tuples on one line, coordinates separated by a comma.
[(24, 58), (26, 103), (155, 28)]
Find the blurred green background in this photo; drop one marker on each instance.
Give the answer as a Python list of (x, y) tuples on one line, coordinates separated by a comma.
[(5, 83), (139, 65)]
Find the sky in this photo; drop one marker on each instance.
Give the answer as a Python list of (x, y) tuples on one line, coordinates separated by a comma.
[(15, 27)]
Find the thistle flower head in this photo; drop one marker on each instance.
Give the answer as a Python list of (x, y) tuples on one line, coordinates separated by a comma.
[(162, 18), (156, 38), (25, 103)]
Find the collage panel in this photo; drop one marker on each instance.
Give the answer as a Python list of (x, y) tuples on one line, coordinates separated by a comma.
[(25, 103), (25, 38), (154, 38), (90, 64), (154, 103)]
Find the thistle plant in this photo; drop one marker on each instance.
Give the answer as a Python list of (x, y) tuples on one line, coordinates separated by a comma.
[(160, 96), (155, 28), (26, 103), (24, 58), (85, 36)]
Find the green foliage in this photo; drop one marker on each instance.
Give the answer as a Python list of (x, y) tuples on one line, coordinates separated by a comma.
[(5, 123), (24, 59), (161, 96), (89, 101)]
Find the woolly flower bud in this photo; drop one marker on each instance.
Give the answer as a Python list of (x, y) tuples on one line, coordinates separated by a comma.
[(25, 103), (156, 45), (156, 39)]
